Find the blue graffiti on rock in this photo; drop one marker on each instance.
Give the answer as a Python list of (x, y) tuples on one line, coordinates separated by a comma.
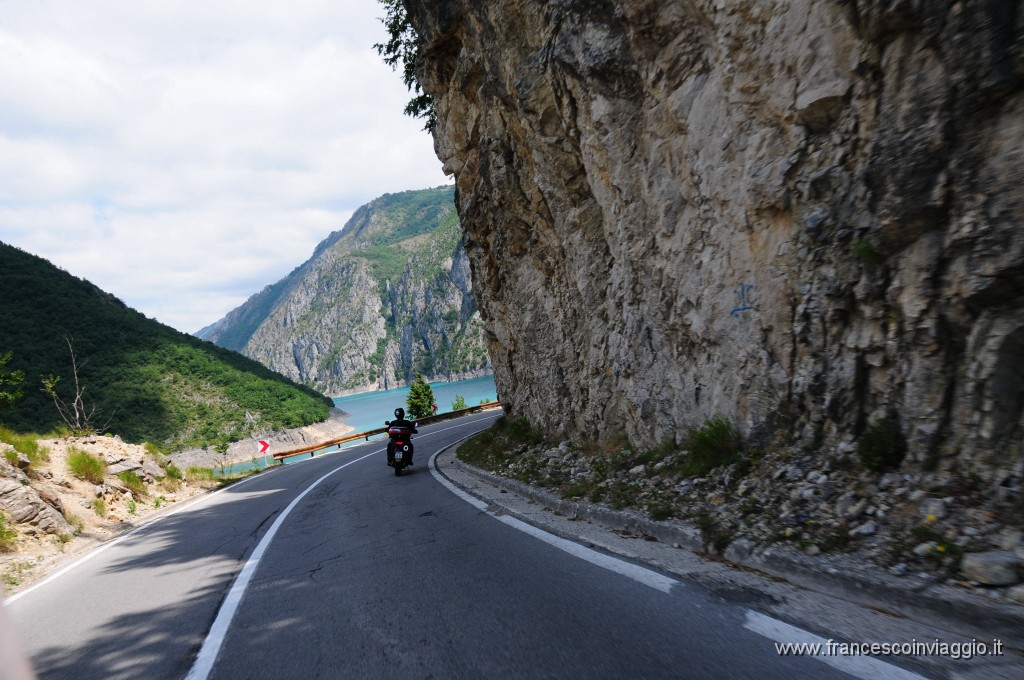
[(745, 302)]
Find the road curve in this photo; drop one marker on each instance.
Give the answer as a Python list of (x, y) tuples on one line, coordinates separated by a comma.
[(369, 575)]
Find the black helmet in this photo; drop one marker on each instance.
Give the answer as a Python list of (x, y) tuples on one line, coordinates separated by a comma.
[(399, 413)]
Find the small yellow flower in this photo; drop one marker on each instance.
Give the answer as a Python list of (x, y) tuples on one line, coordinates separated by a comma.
[(932, 518), (941, 548)]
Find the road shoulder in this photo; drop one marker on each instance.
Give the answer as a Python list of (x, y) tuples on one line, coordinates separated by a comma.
[(819, 595)]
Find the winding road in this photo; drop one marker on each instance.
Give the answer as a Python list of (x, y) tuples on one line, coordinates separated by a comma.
[(333, 567)]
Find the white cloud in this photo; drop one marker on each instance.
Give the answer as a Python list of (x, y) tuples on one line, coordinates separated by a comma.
[(184, 155)]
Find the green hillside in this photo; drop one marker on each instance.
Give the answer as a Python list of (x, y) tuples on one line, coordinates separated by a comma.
[(147, 381)]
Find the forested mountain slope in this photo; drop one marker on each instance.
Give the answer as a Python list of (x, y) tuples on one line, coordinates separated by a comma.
[(146, 380)]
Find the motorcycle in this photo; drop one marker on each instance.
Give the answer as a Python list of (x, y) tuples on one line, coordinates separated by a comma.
[(399, 447)]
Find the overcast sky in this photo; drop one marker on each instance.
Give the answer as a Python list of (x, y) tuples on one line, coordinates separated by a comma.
[(183, 155)]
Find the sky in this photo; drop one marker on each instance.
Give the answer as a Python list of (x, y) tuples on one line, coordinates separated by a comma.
[(183, 155)]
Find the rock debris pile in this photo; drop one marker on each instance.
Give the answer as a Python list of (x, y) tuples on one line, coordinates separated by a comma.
[(942, 527)]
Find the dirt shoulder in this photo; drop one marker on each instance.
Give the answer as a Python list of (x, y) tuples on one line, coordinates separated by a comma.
[(56, 515), (52, 515)]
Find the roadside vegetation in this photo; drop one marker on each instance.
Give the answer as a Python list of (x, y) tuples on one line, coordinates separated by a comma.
[(8, 536), (614, 472), (26, 443), (655, 481), (420, 401), (854, 497), (65, 474), (84, 465)]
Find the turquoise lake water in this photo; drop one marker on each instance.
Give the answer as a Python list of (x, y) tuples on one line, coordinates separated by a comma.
[(369, 410)]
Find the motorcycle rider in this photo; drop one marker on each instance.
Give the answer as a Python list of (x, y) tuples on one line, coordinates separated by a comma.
[(400, 421)]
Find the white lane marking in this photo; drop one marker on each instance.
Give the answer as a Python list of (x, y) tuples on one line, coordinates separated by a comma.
[(627, 569), (123, 537), (215, 638), (170, 513), (859, 666), (639, 574)]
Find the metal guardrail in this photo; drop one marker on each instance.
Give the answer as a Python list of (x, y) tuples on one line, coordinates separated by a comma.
[(311, 449)]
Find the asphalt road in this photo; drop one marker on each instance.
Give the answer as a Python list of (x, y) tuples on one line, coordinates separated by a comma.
[(335, 568)]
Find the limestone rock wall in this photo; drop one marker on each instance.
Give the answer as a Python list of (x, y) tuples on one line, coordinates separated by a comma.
[(801, 213), (385, 298)]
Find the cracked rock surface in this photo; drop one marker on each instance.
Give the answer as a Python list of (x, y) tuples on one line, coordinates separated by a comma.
[(800, 215)]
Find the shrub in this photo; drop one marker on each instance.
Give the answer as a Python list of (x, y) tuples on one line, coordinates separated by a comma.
[(715, 443), (86, 466), (496, 446), (76, 523), (712, 533), (8, 536), (27, 443), (882, 446), (866, 252), (199, 474), (173, 472), (99, 506), (133, 483), (459, 403)]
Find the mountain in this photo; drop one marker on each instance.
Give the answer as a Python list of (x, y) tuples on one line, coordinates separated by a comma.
[(385, 298), (147, 381)]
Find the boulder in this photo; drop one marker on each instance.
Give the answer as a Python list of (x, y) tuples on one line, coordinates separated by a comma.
[(124, 466), (867, 529), (152, 470), (52, 499), (25, 506), (993, 568), (932, 507)]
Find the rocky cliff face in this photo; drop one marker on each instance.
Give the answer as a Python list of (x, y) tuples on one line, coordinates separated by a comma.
[(386, 297), (802, 215)]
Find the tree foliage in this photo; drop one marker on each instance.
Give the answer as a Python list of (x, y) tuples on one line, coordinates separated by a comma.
[(11, 383), (401, 51), (459, 403), (421, 398)]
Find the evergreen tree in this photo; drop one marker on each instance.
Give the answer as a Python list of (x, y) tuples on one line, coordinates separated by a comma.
[(421, 398), (459, 403)]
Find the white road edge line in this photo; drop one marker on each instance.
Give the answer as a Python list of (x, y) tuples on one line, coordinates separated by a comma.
[(218, 631), (215, 638), (148, 523), (123, 537), (639, 574), (859, 666)]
